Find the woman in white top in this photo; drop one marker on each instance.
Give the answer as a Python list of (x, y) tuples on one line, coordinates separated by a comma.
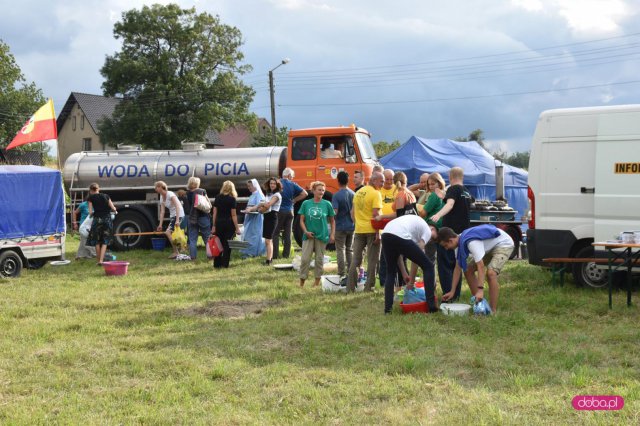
[(169, 200), (270, 208)]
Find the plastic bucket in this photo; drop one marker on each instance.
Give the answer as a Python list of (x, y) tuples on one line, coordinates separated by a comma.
[(331, 284), (455, 309), (116, 267), (159, 243)]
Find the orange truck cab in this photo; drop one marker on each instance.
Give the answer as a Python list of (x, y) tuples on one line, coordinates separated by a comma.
[(318, 154)]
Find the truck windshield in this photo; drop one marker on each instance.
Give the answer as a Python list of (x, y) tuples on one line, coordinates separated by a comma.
[(366, 147)]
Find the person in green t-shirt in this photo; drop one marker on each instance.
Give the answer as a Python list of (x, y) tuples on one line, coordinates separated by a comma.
[(314, 215), (435, 199), (433, 204)]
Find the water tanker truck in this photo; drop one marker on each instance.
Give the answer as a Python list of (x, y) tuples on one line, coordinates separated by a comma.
[(128, 174)]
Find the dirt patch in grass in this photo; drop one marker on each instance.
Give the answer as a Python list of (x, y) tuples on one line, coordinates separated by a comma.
[(235, 309)]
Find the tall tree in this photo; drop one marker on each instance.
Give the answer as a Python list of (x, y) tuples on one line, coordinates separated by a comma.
[(282, 135), (178, 74), (382, 148), (18, 99), (517, 159), (476, 135)]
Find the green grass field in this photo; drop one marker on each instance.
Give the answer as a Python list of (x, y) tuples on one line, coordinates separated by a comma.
[(181, 343)]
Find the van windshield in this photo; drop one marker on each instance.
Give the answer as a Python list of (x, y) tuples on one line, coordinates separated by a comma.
[(366, 147)]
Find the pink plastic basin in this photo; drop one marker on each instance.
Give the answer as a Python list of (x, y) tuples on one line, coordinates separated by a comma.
[(115, 267)]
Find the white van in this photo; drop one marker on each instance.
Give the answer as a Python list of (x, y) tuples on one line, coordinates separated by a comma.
[(584, 184)]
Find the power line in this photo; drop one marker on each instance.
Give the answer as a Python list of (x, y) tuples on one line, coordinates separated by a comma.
[(433, 70), (533, 50), (449, 77), (461, 98)]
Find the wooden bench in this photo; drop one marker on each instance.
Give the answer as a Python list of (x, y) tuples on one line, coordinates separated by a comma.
[(559, 265), (233, 244)]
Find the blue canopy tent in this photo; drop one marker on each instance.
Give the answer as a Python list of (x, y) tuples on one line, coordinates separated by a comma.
[(419, 155)]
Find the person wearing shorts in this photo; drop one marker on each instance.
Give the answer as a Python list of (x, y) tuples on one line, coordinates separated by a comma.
[(169, 201), (486, 250)]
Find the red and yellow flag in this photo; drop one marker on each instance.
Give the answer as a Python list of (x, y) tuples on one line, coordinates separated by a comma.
[(40, 127)]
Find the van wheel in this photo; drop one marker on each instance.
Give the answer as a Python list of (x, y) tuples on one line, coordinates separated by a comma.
[(10, 264), (297, 234), (297, 230), (588, 274)]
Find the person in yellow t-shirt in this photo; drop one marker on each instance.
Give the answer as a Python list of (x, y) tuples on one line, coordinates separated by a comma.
[(367, 203), (389, 192)]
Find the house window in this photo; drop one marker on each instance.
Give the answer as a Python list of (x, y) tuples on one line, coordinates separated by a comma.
[(82, 123), (86, 144), (73, 123)]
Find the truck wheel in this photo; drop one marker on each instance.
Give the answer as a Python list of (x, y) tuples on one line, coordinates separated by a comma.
[(297, 233), (588, 274), (10, 264), (516, 235), (130, 221)]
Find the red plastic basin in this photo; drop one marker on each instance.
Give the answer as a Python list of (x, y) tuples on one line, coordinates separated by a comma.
[(380, 224), (115, 267), (420, 307)]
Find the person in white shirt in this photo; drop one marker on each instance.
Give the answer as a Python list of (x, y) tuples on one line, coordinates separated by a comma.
[(405, 237), (169, 200), (486, 249), (330, 152)]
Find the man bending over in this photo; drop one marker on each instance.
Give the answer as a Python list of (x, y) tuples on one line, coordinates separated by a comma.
[(487, 249)]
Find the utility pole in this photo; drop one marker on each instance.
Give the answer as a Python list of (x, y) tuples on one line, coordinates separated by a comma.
[(273, 103)]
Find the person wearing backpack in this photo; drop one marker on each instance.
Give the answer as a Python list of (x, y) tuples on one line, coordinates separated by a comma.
[(199, 216)]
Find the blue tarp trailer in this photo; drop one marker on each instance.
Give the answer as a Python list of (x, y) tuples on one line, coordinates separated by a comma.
[(32, 218)]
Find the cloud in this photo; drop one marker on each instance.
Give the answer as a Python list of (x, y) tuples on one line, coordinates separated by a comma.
[(581, 16), (301, 5), (530, 5), (369, 53)]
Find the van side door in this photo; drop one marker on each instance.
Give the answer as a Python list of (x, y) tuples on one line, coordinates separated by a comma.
[(617, 175)]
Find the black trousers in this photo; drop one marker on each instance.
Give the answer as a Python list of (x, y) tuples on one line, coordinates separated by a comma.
[(446, 265), (285, 225), (225, 230), (394, 247)]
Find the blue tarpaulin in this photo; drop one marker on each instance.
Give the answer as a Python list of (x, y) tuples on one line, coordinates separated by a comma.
[(31, 201), (419, 155)]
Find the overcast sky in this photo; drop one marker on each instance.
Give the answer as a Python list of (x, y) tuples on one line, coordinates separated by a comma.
[(400, 68)]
